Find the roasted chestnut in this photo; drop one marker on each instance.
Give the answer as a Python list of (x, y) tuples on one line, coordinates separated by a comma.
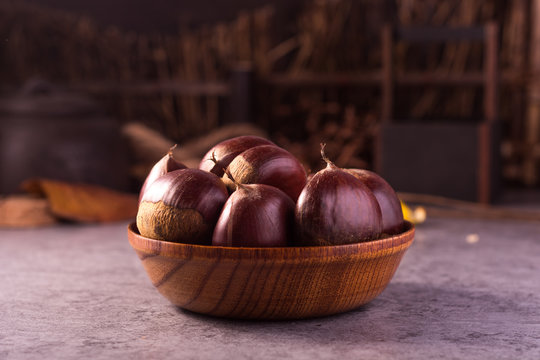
[(182, 206)]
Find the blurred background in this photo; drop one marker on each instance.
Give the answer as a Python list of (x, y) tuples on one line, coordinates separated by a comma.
[(440, 97)]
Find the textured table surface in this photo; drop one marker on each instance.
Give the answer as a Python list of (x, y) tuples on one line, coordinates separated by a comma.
[(72, 292)]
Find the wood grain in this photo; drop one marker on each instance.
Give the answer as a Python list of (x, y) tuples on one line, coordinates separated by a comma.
[(270, 283)]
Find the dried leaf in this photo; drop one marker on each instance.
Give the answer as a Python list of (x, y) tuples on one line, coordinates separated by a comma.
[(84, 202), (23, 211)]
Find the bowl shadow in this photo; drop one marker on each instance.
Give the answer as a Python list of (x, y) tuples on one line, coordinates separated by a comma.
[(404, 312)]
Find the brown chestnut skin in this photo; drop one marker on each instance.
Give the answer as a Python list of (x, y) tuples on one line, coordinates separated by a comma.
[(270, 165), (392, 215), (182, 206), (165, 165), (335, 208), (255, 215), (221, 155)]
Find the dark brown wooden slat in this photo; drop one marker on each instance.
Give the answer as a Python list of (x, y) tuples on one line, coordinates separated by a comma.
[(427, 34), (434, 78), (374, 78), (178, 87), (241, 90), (332, 79), (387, 81), (491, 74)]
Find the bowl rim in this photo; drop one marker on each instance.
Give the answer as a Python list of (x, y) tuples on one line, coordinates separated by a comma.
[(368, 249)]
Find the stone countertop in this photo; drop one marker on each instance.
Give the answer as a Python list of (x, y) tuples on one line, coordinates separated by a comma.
[(72, 292)]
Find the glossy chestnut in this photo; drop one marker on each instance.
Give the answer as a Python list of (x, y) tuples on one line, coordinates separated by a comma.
[(270, 165), (336, 208), (255, 215), (392, 215), (221, 155), (165, 165), (182, 206)]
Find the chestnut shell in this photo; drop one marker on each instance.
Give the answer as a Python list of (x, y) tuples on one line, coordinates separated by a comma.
[(182, 206), (165, 165), (255, 215), (270, 165), (221, 155), (392, 215), (336, 208)]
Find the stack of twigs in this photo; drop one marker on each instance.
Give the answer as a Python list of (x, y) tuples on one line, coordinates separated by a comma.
[(73, 50), (329, 36)]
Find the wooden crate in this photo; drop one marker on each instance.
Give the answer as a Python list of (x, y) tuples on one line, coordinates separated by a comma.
[(454, 159), (441, 158)]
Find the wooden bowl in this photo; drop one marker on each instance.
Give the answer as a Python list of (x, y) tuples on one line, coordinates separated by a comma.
[(270, 283)]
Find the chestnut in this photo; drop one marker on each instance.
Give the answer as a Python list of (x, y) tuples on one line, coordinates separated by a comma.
[(221, 155), (182, 206), (255, 215), (392, 215), (270, 165), (164, 165), (336, 208)]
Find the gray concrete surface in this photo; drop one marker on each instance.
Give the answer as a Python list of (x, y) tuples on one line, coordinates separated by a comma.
[(75, 292)]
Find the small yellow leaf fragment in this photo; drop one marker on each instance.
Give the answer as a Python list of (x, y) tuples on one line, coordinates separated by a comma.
[(415, 215)]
